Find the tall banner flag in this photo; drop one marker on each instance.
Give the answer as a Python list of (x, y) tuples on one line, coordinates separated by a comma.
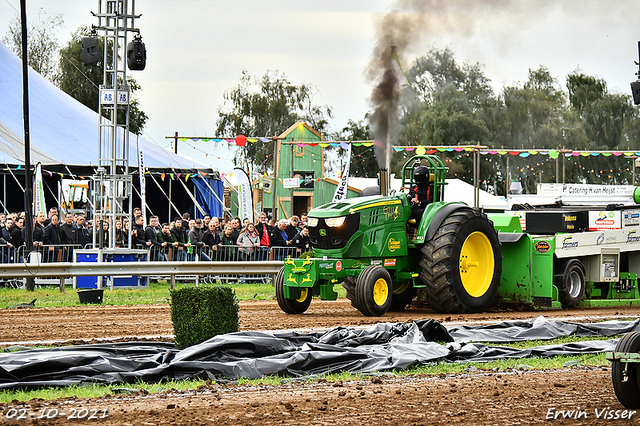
[(245, 195), (143, 186), (39, 204), (341, 190)]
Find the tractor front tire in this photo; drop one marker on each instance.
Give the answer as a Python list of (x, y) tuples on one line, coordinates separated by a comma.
[(291, 306), (373, 291), (461, 265)]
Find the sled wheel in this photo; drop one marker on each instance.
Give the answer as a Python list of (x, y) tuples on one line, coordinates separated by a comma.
[(461, 265), (373, 291), (625, 375), (349, 284), (403, 294), (291, 306), (572, 287)]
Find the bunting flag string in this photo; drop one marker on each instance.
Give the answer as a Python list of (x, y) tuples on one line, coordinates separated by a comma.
[(242, 140)]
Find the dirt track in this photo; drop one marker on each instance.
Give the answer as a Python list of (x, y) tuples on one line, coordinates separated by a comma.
[(113, 322), (481, 398)]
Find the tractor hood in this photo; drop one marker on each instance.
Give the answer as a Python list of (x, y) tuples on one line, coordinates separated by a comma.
[(355, 205)]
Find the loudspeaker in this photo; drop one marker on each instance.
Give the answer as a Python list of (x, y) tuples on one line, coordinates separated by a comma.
[(90, 51), (635, 91), (136, 55)]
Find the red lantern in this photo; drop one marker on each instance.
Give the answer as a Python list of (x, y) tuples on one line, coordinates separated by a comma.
[(241, 140)]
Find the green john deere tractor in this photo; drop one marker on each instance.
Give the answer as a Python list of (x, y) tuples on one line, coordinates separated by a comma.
[(381, 255)]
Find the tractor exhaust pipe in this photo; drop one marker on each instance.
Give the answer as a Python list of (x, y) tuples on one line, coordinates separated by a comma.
[(383, 178)]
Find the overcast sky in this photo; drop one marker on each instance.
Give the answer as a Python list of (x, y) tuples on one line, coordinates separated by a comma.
[(196, 49)]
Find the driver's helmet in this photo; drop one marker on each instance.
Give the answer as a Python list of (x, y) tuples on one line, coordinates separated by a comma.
[(421, 175)]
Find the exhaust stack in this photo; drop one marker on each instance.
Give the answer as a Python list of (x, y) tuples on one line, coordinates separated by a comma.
[(383, 178)]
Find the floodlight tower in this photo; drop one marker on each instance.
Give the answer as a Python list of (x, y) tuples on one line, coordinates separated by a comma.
[(116, 19)]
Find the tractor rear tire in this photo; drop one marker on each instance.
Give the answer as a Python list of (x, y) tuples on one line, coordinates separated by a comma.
[(625, 376), (403, 294), (291, 306), (373, 291), (349, 284), (573, 283), (461, 265)]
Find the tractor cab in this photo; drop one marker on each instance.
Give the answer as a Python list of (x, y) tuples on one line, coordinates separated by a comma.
[(437, 172), (423, 179)]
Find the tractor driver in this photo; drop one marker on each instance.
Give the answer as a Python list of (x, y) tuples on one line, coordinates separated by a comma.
[(420, 194)]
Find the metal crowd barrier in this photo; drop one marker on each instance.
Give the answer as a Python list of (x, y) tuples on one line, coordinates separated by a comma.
[(9, 255), (222, 253)]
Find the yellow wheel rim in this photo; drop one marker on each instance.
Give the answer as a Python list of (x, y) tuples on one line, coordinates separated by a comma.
[(303, 295), (380, 291), (476, 264)]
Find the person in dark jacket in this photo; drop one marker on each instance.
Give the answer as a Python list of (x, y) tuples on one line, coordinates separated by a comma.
[(68, 230), (151, 236), (279, 238), (120, 234), (137, 233), (52, 232), (7, 229), (38, 229), (15, 234), (278, 235), (181, 237), (301, 240), (83, 237), (292, 227), (169, 243)]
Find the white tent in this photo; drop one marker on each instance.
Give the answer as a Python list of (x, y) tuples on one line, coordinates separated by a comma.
[(62, 130), (455, 190)]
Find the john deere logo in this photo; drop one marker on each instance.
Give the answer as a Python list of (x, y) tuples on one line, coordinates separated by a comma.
[(323, 232)]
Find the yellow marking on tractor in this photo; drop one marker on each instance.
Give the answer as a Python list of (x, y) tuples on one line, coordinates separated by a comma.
[(293, 280), (307, 279), (378, 204), (290, 261)]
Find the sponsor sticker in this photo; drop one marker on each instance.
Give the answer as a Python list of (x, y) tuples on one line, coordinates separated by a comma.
[(326, 265), (393, 245), (543, 247), (338, 266), (389, 262)]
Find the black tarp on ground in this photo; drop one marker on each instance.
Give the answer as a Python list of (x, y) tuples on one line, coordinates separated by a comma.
[(254, 354)]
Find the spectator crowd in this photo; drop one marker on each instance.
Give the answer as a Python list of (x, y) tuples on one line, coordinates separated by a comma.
[(181, 239)]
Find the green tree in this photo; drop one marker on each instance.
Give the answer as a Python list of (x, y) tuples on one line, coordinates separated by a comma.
[(266, 107), (42, 45), (82, 82), (447, 108), (604, 115), (448, 98)]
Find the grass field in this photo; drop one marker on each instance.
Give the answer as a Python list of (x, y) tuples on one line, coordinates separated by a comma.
[(158, 292), (50, 296)]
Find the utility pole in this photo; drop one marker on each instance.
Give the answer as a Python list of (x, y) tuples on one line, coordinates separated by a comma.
[(28, 186)]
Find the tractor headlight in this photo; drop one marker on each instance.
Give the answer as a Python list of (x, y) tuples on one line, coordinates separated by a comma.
[(334, 222), (312, 222)]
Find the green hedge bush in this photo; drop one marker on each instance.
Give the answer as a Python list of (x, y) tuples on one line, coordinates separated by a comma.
[(199, 313)]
